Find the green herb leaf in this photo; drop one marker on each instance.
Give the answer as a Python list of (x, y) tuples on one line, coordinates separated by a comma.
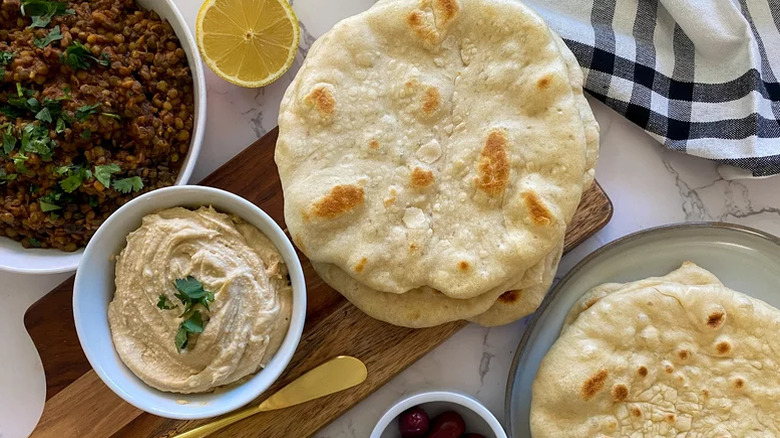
[(62, 170), (34, 188), (86, 133), (19, 160), (191, 292), (9, 141), (127, 185), (5, 177), (54, 35), (77, 56), (162, 303), (93, 202), (75, 179), (42, 11), (48, 206), (34, 242), (83, 112), (103, 173), (115, 116), (44, 115), (194, 324), (35, 138), (6, 58), (181, 339), (60, 128)]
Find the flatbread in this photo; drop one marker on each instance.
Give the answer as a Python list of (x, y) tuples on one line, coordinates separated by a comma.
[(416, 149), (665, 360), (515, 304), (425, 307)]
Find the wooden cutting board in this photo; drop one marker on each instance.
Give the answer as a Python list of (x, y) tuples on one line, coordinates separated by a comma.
[(79, 404)]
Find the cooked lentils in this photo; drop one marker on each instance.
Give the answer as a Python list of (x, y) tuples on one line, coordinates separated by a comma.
[(129, 113)]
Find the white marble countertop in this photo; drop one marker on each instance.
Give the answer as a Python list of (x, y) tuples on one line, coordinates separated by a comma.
[(648, 186)]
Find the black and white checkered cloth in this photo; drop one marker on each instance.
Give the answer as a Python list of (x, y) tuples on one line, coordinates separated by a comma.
[(697, 75)]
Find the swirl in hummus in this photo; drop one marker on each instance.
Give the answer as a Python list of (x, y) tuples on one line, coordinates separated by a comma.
[(247, 320)]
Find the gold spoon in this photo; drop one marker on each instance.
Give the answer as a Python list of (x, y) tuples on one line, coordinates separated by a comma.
[(337, 374)]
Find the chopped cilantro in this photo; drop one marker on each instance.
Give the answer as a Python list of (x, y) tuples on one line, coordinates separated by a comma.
[(127, 185), (115, 116), (9, 141), (86, 133), (162, 303), (192, 325), (48, 206), (5, 59), (75, 178), (5, 177), (103, 173), (35, 138), (34, 242), (191, 292), (44, 115), (77, 56), (93, 202), (19, 160), (42, 11), (83, 112), (35, 188), (60, 128), (53, 35)]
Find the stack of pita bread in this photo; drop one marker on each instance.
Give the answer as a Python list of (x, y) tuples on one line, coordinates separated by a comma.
[(673, 356), (432, 154)]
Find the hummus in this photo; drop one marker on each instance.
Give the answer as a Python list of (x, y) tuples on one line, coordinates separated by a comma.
[(247, 320)]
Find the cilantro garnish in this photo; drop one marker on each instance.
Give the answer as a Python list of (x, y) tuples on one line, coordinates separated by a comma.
[(127, 185), (86, 133), (83, 112), (54, 35), (19, 160), (5, 176), (112, 115), (190, 293), (75, 178), (9, 141), (35, 138), (34, 242), (77, 57), (42, 11), (5, 59), (162, 303), (49, 202), (103, 173)]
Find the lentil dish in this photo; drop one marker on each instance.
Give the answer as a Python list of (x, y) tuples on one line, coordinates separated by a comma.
[(96, 107)]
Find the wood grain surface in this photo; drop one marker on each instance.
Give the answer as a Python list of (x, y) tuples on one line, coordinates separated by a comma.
[(79, 404)]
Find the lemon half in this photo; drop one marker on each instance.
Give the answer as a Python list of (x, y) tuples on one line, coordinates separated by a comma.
[(250, 43)]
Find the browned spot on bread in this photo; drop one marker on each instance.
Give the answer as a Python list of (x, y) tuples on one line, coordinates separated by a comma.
[(668, 368), (424, 30), (509, 296), (540, 215), (338, 201), (373, 144), (360, 265), (431, 100), (588, 304), (635, 411), (642, 371), (723, 347), (739, 383), (412, 246), (446, 11), (493, 165), (593, 385), (421, 178), (436, 292), (683, 354), (670, 418), (544, 82), (716, 319), (705, 392), (322, 99), (619, 392), (463, 265), (390, 200)]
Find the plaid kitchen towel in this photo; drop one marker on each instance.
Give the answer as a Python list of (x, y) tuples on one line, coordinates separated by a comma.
[(700, 76)]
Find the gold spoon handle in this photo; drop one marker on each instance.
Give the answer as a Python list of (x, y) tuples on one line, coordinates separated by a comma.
[(337, 374)]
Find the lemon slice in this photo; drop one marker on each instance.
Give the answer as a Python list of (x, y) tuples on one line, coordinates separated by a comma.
[(250, 43)]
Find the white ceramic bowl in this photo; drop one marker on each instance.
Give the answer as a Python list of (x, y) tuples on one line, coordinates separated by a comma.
[(94, 290), (15, 258), (477, 417)]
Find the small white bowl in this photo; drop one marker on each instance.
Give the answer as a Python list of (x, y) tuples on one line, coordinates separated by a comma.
[(15, 258), (94, 289), (477, 417)]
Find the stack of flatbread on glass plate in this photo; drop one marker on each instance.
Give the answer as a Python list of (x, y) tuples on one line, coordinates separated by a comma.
[(432, 154), (678, 355)]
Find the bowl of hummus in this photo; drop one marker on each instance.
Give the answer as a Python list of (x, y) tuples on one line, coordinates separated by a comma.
[(189, 302)]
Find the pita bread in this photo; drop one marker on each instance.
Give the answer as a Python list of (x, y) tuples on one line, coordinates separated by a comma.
[(670, 358), (416, 149)]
